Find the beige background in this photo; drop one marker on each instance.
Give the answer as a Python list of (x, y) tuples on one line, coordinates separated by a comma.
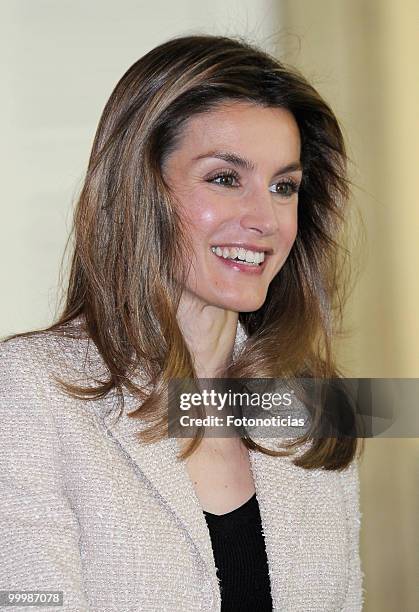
[(60, 62), (363, 56)]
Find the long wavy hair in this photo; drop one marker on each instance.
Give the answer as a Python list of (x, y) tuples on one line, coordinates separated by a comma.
[(131, 252)]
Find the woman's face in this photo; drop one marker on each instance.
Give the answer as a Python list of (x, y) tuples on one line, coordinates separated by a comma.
[(236, 174)]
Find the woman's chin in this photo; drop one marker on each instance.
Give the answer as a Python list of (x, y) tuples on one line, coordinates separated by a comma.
[(243, 304)]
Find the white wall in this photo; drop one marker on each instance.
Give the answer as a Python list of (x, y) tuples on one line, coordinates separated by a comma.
[(61, 60)]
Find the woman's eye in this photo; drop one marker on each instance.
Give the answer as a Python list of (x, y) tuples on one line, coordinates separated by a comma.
[(224, 179), (284, 188)]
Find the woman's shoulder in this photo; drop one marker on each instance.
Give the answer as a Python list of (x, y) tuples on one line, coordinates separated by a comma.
[(23, 358), (33, 400), (45, 351), (31, 363), (342, 485)]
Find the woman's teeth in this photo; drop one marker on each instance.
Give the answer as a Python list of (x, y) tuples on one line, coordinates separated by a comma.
[(254, 258)]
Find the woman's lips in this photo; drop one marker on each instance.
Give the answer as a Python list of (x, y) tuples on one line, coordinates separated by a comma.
[(242, 267)]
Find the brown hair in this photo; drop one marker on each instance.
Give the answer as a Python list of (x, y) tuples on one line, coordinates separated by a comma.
[(125, 276)]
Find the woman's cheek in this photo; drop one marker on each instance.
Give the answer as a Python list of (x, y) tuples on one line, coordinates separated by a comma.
[(204, 214), (290, 230)]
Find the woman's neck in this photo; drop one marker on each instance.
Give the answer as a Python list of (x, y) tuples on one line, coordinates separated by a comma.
[(210, 333)]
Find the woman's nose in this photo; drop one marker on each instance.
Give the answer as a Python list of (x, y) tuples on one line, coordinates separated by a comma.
[(259, 213)]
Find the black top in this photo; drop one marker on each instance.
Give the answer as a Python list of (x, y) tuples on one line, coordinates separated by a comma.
[(240, 556)]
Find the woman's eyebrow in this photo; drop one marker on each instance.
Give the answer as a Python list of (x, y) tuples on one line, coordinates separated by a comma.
[(242, 162)]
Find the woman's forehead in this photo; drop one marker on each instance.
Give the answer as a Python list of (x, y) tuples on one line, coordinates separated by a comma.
[(236, 115), (240, 128)]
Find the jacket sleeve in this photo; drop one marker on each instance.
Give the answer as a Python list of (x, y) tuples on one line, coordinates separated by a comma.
[(40, 531), (354, 596)]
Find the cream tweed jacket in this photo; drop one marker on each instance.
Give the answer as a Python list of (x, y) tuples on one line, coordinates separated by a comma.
[(86, 509)]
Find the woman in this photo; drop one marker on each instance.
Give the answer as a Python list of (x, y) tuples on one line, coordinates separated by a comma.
[(188, 263)]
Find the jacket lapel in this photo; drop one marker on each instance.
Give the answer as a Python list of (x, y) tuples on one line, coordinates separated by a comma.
[(285, 492), (276, 482), (167, 474)]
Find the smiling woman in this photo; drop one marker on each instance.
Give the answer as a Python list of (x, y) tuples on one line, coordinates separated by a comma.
[(240, 202), (206, 245)]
